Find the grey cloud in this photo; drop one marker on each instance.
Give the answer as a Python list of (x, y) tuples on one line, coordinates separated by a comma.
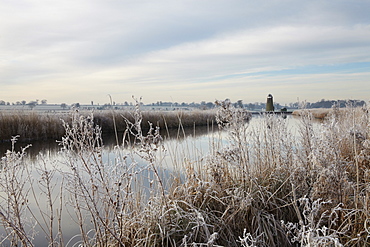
[(182, 41)]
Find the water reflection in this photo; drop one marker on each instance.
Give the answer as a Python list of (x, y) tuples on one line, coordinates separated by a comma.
[(47, 147), (37, 147), (48, 153)]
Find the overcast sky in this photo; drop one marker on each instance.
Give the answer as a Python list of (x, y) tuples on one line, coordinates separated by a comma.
[(185, 51)]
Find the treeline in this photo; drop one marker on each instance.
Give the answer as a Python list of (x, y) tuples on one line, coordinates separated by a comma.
[(203, 105), (23, 102), (258, 106), (338, 103)]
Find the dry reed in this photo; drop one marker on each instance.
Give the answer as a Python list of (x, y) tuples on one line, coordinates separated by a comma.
[(266, 187), (32, 125), (319, 113)]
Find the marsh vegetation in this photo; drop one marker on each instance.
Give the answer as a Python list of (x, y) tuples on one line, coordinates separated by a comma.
[(32, 125), (262, 186)]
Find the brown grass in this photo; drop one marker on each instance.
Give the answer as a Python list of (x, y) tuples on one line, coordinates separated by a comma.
[(320, 113), (32, 125)]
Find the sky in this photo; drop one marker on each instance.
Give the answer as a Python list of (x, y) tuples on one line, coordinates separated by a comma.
[(184, 51)]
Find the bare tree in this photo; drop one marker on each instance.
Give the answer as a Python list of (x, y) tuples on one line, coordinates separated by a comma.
[(63, 105), (32, 104)]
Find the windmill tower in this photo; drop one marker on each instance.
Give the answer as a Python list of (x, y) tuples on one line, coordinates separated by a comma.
[(270, 103)]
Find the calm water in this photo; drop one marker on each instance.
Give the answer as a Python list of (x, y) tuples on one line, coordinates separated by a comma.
[(194, 144), (178, 143)]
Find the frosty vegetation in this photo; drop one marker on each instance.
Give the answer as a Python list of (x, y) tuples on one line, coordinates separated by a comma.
[(266, 187)]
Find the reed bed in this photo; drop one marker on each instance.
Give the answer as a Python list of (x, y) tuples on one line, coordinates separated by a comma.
[(265, 187), (110, 121), (32, 125), (320, 113)]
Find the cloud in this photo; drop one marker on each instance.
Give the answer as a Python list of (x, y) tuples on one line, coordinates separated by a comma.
[(86, 48), (251, 51)]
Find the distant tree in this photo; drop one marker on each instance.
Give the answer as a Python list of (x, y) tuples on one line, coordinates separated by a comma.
[(43, 102), (251, 106), (7, 103), (323, 104), (18, 103), (2, 102), (23, 102), (210, 105), (203, 105), (63, 105), (356, 103), (76, 105), (32, 104), (293, 105), (106, 106), (240, 103), (337, 103)]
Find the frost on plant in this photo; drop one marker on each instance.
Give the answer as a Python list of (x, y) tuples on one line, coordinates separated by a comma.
[(264, 186), (315, 227), (14, 192), (248, 240), (112, 193), (235, 121)]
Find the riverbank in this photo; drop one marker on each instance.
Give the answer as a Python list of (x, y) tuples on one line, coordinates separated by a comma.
[(33, 125)]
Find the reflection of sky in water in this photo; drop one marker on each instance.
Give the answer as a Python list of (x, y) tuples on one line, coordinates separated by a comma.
[(178, 143), (185, 143)]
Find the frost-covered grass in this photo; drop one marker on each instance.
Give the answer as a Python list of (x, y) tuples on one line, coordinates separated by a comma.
[(266, 187)]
